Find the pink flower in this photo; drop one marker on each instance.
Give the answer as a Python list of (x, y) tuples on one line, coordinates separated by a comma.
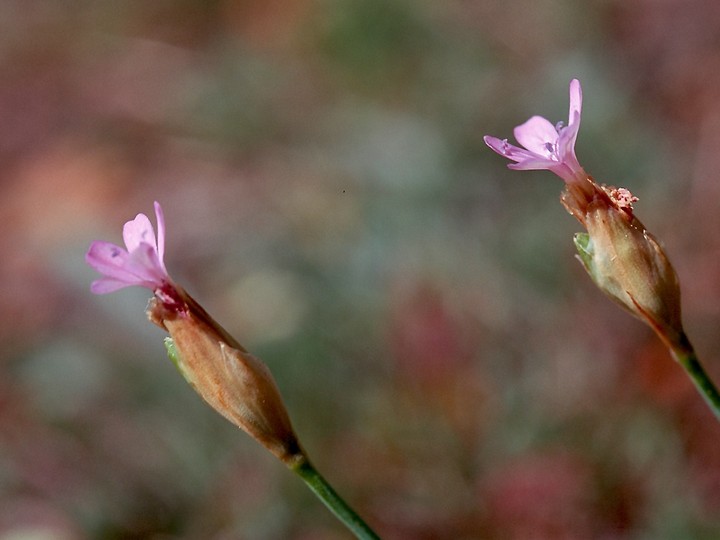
[(546, 146), (140, 264), (230, 379)]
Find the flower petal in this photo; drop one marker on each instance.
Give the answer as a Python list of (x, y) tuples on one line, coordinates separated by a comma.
[(510, 151), (546, 146), (141, 264), (141, 267), (575, 103), (138, 231), (566, 144), (160, 216), (110, 260), (534, 165), (145, 265), (535, 134), (107, 285), (496, 144)]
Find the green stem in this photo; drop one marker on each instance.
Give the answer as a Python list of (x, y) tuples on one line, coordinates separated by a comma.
[(686, 357), (333, 501)]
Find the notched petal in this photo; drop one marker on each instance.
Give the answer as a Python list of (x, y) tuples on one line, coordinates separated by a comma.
[(575, 102), (109, 259), (138, 231), (535, 134), (533, 164)]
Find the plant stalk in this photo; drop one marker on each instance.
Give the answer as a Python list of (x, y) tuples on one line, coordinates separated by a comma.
[(685, 355), (324, 491)]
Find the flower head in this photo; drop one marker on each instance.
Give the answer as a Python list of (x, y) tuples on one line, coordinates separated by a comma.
[(621, 256), (231, 380), (546, 146), (139, 263)]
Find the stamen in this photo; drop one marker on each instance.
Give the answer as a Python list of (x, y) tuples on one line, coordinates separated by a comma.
[(505, 147), (170, 298)]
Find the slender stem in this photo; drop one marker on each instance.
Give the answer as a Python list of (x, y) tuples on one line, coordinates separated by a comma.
[(686, 357), (315, 481)]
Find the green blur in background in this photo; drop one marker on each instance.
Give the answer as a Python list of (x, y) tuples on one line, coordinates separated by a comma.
[(329, 199)]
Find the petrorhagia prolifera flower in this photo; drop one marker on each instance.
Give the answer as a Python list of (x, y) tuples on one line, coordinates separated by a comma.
[(621, 256), (623, 259), (231, 380), (546, 145), (235, 383)]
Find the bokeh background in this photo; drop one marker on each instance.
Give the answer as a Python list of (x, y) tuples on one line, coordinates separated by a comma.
[(328, 196)]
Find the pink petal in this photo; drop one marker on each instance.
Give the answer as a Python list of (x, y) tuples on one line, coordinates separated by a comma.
[(141, 267), (508, 150), (534, 165), (141, 264), (144, 264), (108, 285), (110, 260), (546, 147), (535, 134), (575, 103), (496, 144), (138, 231), (160, 216), (566, 142)]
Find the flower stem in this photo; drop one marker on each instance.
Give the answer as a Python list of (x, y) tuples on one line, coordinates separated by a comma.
[(324, 491), (686, 357)]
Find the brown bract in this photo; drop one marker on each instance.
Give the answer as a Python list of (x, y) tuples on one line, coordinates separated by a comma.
[(232, 381), (624, 259)]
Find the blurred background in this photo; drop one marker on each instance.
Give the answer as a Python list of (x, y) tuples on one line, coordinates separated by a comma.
[(445, 359)]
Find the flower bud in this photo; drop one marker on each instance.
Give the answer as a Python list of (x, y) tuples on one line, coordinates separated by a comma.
[(627, 263), (232, 381)]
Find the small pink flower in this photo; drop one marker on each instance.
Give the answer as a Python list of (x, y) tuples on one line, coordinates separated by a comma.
[(140, 264), (546, 146)]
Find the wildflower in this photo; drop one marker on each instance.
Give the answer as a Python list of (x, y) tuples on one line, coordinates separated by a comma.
[(546, 146), (141, 263), (621, 256), (235, 383)]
